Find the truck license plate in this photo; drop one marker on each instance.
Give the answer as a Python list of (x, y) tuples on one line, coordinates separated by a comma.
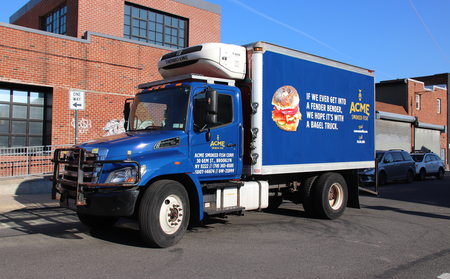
[(71, 203)]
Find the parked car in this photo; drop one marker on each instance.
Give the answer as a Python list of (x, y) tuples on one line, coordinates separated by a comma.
[(392, 165), (428, 164)]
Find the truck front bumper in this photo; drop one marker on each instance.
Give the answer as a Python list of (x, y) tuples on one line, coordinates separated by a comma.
[(113, 203)]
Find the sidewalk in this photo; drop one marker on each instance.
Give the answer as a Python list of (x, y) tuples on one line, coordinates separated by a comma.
[(17, 202)]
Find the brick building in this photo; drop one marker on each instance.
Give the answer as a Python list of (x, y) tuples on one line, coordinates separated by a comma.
[(102, 48), (421, 114)]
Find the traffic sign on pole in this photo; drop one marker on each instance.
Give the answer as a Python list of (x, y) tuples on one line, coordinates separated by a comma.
[(76, 100)]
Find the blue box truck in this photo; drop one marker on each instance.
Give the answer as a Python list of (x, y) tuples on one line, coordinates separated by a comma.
[(228, 128)]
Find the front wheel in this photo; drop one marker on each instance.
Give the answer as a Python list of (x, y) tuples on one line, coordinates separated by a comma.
[(382, 179), (330, 195), (164, 213)]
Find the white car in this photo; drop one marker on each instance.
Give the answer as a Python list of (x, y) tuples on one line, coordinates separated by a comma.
[(428, 164)]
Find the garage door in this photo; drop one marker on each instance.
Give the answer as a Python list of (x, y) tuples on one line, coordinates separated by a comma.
[(430, 139), (392, 135)]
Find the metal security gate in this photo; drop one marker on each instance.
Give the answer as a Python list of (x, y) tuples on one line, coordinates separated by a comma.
[(430, 139), (392, 135)]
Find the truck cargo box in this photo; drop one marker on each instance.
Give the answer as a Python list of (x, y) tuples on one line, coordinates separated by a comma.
[(312, 114)]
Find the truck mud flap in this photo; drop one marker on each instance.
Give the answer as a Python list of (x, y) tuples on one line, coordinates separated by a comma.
[(375, 191)]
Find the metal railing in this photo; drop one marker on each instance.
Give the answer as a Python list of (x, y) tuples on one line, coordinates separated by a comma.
[(27, 160)]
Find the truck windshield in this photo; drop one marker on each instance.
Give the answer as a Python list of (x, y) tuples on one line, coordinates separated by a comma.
[(164, 109)]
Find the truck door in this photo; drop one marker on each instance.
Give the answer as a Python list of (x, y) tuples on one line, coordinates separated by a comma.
[(219, 158)]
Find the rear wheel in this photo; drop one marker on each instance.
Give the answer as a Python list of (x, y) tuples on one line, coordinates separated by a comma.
[(409, 176), (97, 222), (275, 202), (422, 174), (164, 213), (440, 174), (307, 193), (330, 195)]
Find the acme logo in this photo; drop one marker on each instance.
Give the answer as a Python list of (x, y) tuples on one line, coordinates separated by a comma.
[(360, 107), (217, 143)]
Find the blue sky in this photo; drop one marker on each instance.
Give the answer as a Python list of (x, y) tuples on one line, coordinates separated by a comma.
[(396, 38)]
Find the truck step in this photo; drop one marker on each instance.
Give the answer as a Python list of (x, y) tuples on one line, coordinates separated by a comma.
[(226, 210), (223, 185)]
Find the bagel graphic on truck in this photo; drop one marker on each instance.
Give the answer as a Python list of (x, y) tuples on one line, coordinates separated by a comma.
[(286, 112)]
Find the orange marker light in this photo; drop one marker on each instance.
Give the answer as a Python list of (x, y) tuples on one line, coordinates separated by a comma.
[(177, 163)]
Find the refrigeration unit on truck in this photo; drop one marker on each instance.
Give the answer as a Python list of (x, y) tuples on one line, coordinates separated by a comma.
[(229, 128)]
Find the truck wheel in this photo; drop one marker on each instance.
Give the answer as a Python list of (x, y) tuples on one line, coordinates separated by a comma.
[(274, 202), (306, 194), (330, 195), (164, 213), (97, 222)]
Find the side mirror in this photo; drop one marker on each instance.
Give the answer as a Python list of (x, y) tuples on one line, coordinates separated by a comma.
[(212, 106)]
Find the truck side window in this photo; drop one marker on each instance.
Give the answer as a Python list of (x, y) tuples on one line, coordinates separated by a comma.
[(224, 116)]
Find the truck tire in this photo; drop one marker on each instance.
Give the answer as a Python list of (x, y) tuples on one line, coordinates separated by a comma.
[(97, 222), (330, 195), (306, 194), (275, 202), (164, 213)]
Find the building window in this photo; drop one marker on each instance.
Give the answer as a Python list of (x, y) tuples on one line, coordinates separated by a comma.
[(25, 117), (439, 106), (154, 27), (56, 20), (417, 102)]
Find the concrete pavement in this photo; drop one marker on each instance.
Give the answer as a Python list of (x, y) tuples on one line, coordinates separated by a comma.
[(18, 202), (31, 192)]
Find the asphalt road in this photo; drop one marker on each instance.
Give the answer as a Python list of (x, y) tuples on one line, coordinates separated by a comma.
[(403, 233)]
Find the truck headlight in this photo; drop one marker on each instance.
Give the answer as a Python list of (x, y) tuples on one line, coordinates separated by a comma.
[(125, 175)]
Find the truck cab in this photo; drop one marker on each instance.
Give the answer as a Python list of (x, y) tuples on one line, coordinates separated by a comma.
[(188, 130)]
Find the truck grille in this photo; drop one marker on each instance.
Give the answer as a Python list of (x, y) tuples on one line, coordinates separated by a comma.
[(90, 172)]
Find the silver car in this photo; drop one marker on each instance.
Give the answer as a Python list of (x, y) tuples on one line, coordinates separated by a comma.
[(428, 164), (392, 165)]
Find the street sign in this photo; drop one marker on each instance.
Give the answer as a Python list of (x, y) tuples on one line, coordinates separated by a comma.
[(76, 100)]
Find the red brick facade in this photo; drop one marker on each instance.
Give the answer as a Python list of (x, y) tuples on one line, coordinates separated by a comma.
[(428, 112), (107, 17), (108, 69), (400, 97), (428, 103)]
